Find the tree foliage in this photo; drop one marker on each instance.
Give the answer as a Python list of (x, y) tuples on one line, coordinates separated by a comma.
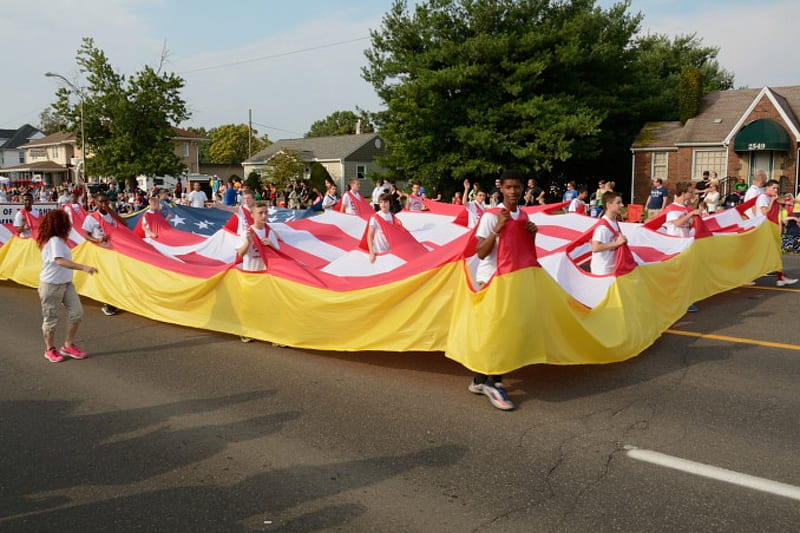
[(50, 122), (554, 87), (229, 143), (690, 93), (341, 123), (128, 119), (284, 166), (658, 66)]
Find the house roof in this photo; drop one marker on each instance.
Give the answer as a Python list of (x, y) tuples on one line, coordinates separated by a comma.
[(18, 137), (658, 135), (316, 148), (181, 133), (40, 166), (722, 114), (61, 137)]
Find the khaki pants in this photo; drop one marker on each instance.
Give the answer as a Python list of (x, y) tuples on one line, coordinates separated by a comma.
[(652, 212), (53, 295)]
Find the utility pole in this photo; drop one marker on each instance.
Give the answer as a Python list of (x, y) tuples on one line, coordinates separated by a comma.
[(250, 133), (79, 92)]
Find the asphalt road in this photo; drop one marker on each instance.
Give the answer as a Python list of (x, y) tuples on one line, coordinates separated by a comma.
[(166, 428)]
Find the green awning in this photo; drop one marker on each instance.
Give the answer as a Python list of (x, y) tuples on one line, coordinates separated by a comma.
[(762, 134)]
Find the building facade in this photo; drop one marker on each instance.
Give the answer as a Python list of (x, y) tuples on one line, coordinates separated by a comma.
[(344, 157), (734, 134)]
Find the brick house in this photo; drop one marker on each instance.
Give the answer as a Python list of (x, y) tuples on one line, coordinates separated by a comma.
[(735, 133)]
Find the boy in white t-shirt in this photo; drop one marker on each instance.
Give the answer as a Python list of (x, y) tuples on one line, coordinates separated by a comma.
[(762, 207), (607, 236), (414, 202), (23, 216), (475, 207), (253, 241), (488, 235), (376, 239), (94, 232), (56, 288), (578, 204), (680, 215)]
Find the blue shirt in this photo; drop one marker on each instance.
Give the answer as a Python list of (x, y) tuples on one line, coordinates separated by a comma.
[(569, 195), (657, 195), (230, 196)]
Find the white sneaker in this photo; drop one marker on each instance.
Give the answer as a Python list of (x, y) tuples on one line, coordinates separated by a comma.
[(785, 281)]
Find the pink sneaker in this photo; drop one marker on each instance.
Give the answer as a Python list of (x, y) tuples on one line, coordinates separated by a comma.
[(72, 351), (53, 356)]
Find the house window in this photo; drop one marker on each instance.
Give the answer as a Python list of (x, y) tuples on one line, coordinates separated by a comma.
[(186, 149), (659, 170), (22, 158), (711, 160), (55, 152), (361, 171)]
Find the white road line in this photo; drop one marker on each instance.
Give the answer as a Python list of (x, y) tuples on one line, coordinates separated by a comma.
[(714, 472)]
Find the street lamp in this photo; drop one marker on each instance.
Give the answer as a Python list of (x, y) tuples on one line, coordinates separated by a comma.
[(79, 92)]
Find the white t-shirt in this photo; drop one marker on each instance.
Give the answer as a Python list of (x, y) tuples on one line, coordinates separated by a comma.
[(71, 209), (63, 200), (376, 194), (752, 192), (674, 230), (348, 203), (602, 263), (712, 201), (92, 227), (252, 260), (198, 198), (19, 220), (488, 265), (52, 272), (329, 201), (380, 244), (764, 200), (475, 211), (415, 203), (573, 205)]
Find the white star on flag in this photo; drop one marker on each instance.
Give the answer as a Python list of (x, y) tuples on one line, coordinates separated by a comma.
[(177, 220), (201, 225), (208, 223)]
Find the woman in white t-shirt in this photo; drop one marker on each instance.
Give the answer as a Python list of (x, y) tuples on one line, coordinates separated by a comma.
[(55, 285), (711, 197), (607, 236)]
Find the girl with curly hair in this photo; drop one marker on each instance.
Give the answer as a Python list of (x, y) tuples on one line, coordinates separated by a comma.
[(55, 285)]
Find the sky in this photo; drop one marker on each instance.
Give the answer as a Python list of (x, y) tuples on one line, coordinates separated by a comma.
[(293, 63)]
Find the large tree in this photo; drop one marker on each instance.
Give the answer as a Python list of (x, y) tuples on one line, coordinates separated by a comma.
[(557, 88), (128, 119), (341, 123), (473, 86), (229, 143)]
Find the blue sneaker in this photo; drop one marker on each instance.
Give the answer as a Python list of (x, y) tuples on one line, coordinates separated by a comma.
[(692, 309), (475, 386), (498, 396)]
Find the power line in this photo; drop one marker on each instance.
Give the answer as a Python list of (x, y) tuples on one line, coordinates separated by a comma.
[(273, 56), (274, 128)]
